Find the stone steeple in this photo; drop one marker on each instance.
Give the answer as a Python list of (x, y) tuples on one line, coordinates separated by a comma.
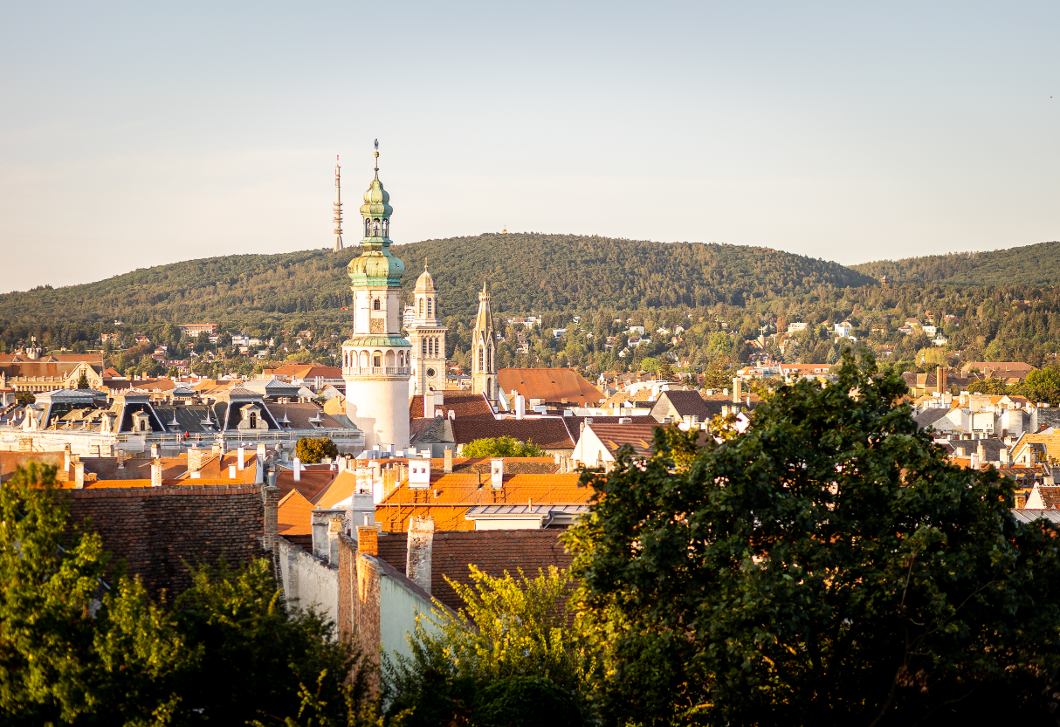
[(376, 358), (427, 335), (484, 349)]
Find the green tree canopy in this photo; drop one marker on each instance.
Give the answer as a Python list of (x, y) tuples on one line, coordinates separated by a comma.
[(312, 450), (828, 566), (502, 447), (75, 650)]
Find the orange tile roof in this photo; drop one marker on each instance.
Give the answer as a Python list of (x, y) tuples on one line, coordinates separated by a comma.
[(449, 497), (555, 385), (463, 404), (294, 515), (312, 480), (341, 488)]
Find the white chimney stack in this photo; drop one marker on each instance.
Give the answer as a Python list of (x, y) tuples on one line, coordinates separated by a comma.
[(240, 454), (520, 406), (497, 473), (296, 468)]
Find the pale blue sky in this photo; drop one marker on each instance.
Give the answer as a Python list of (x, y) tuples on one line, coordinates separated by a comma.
[(134, 134)]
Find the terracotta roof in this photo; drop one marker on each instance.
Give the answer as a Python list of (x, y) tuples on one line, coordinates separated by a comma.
[(341, 488), (449, 497), (559, 385), (464, 404), (637, 435), (548, 432), (312, 480), (687, 404), (294, 515)]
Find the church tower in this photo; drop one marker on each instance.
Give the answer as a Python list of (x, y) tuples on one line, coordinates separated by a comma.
[(483, 350), (375, 360), (427, 335)]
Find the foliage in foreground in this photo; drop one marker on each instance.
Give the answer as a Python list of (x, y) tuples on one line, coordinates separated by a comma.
[(509, 658), (502, 447), (75, 651), (313, 450), (828, 566)]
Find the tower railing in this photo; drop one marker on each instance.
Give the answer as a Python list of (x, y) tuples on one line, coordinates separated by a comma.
[(377, 371)]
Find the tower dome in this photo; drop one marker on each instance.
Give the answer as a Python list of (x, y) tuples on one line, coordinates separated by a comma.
[(425, 283), (376, 200)]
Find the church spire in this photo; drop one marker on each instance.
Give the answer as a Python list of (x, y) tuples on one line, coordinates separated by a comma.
[(338, 206)]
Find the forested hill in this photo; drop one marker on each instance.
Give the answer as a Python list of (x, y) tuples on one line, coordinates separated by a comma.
[(1035, 265), (526, 272)]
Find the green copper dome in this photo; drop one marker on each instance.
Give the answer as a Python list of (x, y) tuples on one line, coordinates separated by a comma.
[(376, 201), (376, 267)]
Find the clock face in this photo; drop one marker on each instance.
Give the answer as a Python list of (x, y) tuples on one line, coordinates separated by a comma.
[(430, 372)]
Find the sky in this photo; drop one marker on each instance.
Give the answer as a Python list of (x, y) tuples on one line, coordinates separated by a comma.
[(134, 134)]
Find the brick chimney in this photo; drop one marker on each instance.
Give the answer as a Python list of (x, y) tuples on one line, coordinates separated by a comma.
[(156, 473), (195, 459), (418, 552), (737, 390), (79, 474), (335, 529), (271, 500), (367, 540), (447, 465)]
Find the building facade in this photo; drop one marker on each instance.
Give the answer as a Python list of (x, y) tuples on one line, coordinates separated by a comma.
[(376, 359), (427, 334)]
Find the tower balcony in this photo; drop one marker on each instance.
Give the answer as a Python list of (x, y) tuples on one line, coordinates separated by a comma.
[(376, 371)]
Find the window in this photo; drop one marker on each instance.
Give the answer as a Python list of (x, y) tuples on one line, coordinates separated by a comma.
[(377, 359), (423, 346), (421, 308), (429, 307), (253, 420), (489, 359), (375, 304), (481, 354)]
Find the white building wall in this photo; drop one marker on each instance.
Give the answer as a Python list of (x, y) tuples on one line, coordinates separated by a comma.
[(379, 406), (398, 606), (308, 583)]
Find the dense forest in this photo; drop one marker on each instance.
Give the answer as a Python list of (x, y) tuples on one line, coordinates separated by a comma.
[(526, 272), (1028, 265)]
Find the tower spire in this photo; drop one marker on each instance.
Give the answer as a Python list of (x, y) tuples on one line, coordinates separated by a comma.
[(338, 207), (377, 158)]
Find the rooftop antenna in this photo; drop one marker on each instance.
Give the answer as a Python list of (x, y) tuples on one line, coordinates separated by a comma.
[(338, 207)]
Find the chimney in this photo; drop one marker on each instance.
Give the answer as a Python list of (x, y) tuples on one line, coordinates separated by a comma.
[(156, 473), (428, 404), (447, 465), (155, 451), (121, 457), (1006, 457), (79, 475), (737, 390), (66, 457), (367, 540), (418, 551), (520, 406), (240, 454), (335, 529), (959, 451), (271, 497), (194, 459), (296, 468), (981, 451), (497, 473), (974, 461)]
